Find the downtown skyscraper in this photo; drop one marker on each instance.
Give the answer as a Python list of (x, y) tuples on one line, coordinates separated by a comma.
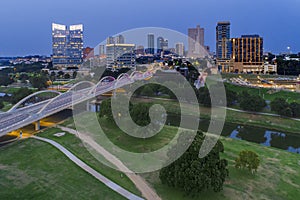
[(223, 46), (196, 46), (150, 48), (67, 45), (162, 44), (223, 42)]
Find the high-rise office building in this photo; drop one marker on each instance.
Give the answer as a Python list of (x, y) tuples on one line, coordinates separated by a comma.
[(247, 53), (120, 55), (179, 49), (120, 39), (196, 42), (150, 48), (223, 43), (67, 45), (162, 44), (101, 50), (223, 46), (110, 40), (248, 48)]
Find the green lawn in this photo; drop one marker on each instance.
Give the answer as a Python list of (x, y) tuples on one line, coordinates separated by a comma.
[(271, 122), (268, 94), (11, 90), (7, 106), (33, 169), (278, 176), (74, 144), (30, 169)]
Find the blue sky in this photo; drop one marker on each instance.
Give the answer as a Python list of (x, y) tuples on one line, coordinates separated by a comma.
[(26, 24)]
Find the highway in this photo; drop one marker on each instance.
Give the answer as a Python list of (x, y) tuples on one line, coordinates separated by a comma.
[(17, 118)]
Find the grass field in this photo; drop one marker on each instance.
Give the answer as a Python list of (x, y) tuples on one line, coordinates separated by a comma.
[(271, 122), (30, 169), (11, 90), (74, 145), (268, 94), (232, 75), (7, 106), (278, 177)]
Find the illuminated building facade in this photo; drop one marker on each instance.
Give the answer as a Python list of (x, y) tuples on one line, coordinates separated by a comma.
[(120, 55), (247, 54), (223, 46), (67, 45)]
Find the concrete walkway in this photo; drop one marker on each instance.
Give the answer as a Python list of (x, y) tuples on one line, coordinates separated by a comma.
[(228, 108), (125, 193), (261, 113), (139, 182)]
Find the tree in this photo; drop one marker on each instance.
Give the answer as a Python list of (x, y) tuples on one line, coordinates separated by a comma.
[(140, 114), (247, 159), (60, 74), (251, 102), (20, 94), (231, 96), (193, 174), (5, 80), (295, 109), (147, 91), (39, 81), (105, 110), (278, 105), (53, 76), (67, 76), (203, 96), (1, 104), (74, 75)]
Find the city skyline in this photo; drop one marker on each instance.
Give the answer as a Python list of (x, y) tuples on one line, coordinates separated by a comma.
[(37, 40)]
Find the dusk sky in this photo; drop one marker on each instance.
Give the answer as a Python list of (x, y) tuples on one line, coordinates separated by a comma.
[(26, 24)]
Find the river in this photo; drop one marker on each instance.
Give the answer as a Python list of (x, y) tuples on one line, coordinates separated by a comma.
[(267, 137)]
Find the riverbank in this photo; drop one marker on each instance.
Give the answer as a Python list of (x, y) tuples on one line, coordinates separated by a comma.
[(277, 176), (242, 118)]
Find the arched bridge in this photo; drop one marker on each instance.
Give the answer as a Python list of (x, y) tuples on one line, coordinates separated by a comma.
[(18, 117)]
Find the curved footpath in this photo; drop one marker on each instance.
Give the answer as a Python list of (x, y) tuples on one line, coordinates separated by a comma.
[(260, 113), (125, 193), (140, 183)]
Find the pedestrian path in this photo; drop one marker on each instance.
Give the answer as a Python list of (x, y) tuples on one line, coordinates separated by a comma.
[(140, 183), (117, 188)]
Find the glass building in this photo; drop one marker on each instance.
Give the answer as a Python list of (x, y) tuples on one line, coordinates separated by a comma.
[(120, 55), (223, 42), (67, 45), (162, 44), (150, 38)]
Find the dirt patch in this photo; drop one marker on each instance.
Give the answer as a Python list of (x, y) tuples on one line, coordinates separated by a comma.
[(2, 167)]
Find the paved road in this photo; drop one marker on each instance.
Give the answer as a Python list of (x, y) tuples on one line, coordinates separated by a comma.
[(19, 117), (139, 182), (125, 193), (260, 113)]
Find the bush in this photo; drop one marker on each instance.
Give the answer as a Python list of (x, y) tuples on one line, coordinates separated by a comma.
[(247, 160)]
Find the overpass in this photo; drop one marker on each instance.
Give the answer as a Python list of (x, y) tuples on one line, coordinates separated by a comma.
[(17, 117)]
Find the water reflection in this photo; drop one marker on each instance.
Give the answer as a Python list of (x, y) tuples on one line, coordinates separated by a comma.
[(268, 136), (272, 138)]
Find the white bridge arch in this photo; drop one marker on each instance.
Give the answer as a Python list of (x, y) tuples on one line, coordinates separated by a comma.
[(63, 95), (30, 96)]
